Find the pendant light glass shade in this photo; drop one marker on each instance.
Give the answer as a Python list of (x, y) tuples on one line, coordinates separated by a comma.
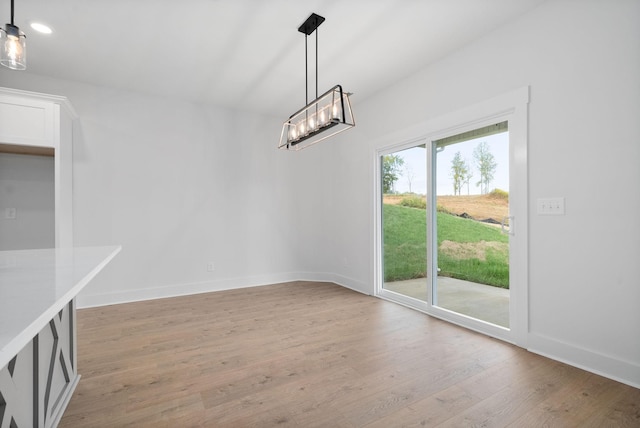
[(13, 48), (324, 117)]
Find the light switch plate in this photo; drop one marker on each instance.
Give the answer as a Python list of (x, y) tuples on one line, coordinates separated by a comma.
[(10, 213), (551, 206)]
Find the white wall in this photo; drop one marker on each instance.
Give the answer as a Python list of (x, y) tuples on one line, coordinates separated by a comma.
[(582, 62), (177, 185), (26, 185)]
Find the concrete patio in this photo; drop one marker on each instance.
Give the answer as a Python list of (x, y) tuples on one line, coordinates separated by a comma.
[(479, 301)]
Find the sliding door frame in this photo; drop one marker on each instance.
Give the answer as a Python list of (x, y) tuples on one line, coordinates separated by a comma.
[(511, 107)]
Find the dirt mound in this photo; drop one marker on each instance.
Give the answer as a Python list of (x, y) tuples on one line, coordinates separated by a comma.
[(486, 208), (471, 250)]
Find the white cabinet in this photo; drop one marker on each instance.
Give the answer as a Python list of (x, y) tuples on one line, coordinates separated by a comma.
[(38, 341), (38, 382), (40, 124)]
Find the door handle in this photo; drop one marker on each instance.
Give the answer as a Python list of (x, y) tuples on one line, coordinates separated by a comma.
[(506, 231)]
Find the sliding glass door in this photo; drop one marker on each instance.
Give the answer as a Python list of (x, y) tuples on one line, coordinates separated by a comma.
[(452, 218)]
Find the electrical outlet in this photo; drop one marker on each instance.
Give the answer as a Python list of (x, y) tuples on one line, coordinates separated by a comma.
[(551, 206), (10, 213), (211, 267)]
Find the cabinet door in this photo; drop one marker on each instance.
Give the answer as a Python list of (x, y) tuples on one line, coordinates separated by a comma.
[(57, 374), (26, 122)]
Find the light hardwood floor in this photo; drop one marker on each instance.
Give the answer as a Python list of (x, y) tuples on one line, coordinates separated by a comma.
[(311, 354)]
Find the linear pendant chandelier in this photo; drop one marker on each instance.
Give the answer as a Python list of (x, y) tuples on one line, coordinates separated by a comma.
[(324, 117)]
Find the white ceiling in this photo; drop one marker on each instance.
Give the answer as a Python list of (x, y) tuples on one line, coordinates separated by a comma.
[(248, 54)]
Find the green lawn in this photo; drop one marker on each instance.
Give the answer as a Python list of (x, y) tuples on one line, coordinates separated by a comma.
[(473, 251)]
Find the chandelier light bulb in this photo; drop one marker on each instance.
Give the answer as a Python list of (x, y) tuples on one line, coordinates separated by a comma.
[(13, 47), (336, 110), (322, 117), (13, 52), (293, 134)]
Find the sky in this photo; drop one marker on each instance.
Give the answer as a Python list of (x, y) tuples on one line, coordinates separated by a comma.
[(415, 161)]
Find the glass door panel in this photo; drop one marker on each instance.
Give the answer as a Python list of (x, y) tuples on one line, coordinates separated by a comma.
[(471, 224), (404, 223)]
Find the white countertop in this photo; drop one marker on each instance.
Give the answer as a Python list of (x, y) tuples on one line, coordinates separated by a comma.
[(36, 284)]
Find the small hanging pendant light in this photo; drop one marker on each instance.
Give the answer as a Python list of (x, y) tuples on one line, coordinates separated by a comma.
[(13, 46)]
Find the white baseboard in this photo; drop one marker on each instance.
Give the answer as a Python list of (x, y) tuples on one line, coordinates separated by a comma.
[(608, 366), (341, 280), (85, 300), (352, 284)]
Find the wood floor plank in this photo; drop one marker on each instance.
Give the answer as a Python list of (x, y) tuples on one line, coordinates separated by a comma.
[(309, 354), (511, 402), (622, 409), (429, 411)]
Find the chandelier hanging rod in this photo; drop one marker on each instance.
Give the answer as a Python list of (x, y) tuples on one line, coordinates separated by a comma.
[(308, 27)]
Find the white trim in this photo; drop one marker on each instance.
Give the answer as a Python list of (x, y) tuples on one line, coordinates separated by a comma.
[(519, 212), (37, 96), (350, 283), (341, 280), (85, 300), (611, 367), (407, 144)]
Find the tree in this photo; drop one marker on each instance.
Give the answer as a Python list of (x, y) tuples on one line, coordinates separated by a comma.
[(468, 177), (391, 167), (460, 172), (408, 173), (486, 164)]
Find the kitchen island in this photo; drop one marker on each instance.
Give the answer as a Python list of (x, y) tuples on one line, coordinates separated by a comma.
[(38, 361)]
